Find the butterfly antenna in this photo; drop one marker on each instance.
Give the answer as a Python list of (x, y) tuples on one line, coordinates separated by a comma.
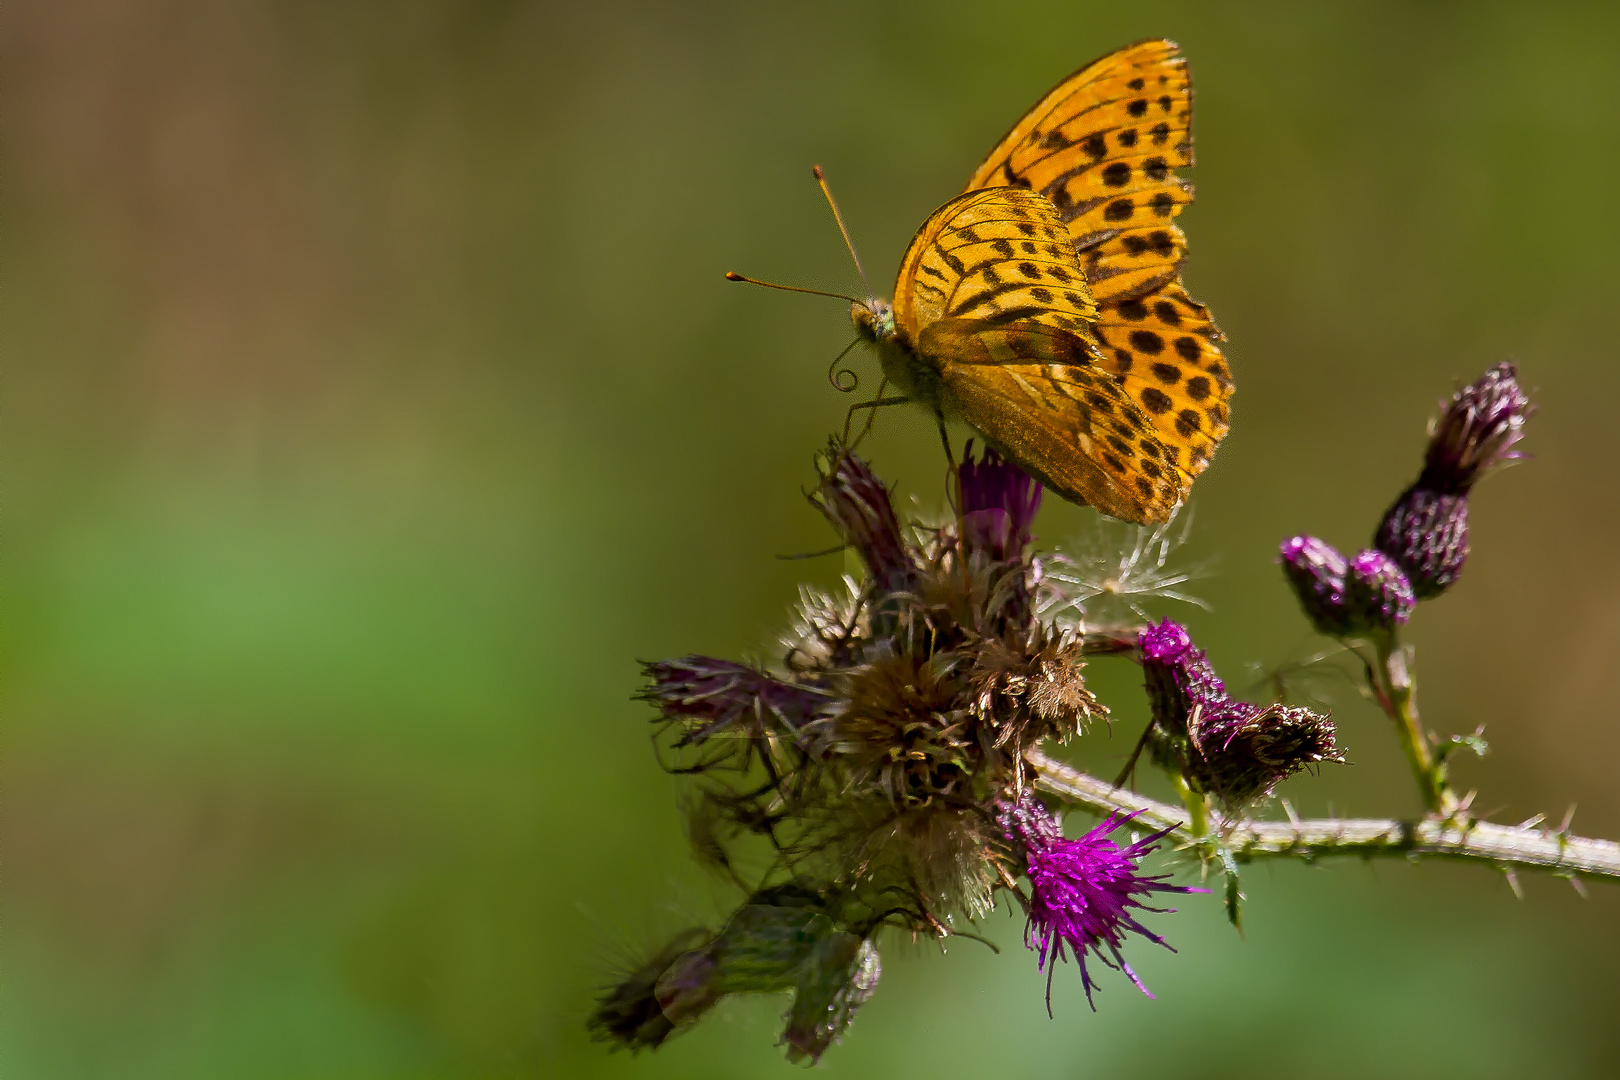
[(825, 190), (732, 275)]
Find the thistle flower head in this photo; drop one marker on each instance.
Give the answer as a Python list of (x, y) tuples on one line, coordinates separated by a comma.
[(1177, 676), (1477, 431), (1425, 531), (999, 501), (859, 507), (1082, 892), (709, 696)]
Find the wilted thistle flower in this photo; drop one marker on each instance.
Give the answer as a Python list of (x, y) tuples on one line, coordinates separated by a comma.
[(786, 938), (1426, 530), (628, 1014), (1082, 892), (1235, 750), (1344, 598)]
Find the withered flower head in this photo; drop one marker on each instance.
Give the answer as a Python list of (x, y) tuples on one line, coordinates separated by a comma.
[(1426, 530), (710, 695), (1235, 750)]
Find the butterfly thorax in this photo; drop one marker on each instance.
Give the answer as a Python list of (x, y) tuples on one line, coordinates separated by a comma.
[(874, 322)]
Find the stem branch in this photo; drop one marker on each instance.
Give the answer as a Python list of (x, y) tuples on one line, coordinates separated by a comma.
[(1504, 846)]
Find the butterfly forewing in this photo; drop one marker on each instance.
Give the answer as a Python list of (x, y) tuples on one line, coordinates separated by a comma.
[(1102, 146), (999, 255), (992, 297)]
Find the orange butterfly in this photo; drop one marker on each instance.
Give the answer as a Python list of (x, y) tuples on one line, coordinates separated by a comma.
[(1044, 306)]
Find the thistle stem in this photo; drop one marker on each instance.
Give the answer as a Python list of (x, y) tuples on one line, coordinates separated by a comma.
[(1197, 806), (1453, 836), (1395, 685)]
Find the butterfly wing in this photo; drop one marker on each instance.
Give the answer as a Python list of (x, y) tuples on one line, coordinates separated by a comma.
[(1038, 396), (1102, 146), (992, 299)]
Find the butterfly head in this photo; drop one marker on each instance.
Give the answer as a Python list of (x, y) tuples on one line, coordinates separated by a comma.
[(874, 320)]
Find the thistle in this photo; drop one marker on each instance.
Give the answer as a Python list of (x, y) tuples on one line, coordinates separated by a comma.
[(1425, 531)]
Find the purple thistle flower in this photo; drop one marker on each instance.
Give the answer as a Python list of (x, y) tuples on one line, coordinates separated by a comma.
[(858, 505), (1426, 530), (999, 501), (1082, 891), (1477, 431), (716, 694), (1177, 675)]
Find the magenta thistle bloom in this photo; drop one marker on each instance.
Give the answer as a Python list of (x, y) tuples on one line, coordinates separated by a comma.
[(1178, 676), (999, 501), (1082, 892)]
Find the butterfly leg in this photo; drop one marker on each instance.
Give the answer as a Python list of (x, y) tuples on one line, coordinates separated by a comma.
[(876, 403), (945, 440), (1130, 766)]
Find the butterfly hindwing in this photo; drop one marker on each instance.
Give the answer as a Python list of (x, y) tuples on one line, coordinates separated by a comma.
[(991, 297), (1037, 395), (1162, 350)]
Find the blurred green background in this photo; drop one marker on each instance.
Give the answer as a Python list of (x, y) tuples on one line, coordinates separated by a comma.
[(375, 401)]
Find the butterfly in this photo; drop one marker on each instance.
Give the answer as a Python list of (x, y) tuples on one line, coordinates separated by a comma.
[(1044, 305)]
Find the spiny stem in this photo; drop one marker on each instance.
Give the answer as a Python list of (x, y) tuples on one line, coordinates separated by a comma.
[(1503, 846)]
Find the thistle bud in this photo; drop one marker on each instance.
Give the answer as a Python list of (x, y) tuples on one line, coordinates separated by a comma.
[(629, 1013), (1318, 574), (1378, 596), (781, 939), (1426, 530), (1343, 598)]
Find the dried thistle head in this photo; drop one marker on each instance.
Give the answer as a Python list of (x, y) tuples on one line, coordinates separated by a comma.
[(1235, 750)]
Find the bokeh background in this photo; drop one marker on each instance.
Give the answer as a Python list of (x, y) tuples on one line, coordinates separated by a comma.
[(375, 401)]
